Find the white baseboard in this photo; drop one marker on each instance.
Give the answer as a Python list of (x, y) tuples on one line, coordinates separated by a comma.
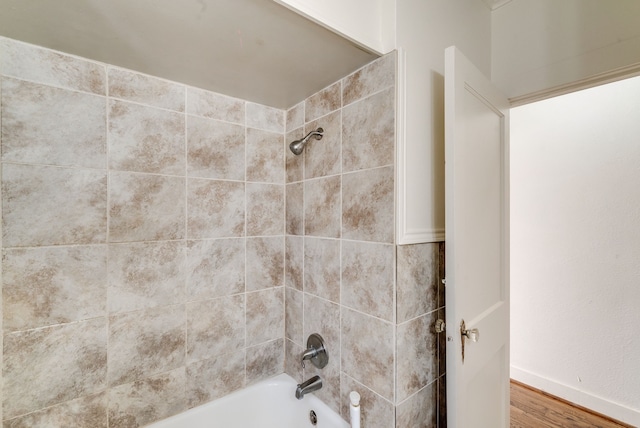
[(581, 398)]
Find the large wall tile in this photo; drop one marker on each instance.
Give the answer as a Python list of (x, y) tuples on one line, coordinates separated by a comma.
[(145, 275), (368, 351), (145, 343), (265, 315), (419, 411), (368, 132), (265, 209), (147, 400), (265, 161), (48, 366), (215, 106), (294, 259), (322, 207), (265, 360), (375, 411), (368, 205), (145, 89), (53, 206), (215, 268), (323, 317), (265, 118), (293, 315), (371, 78), (265, 266), (215, 149), (45, 66), (53, 285), (367, 278), (292, 360), (294, 164), (216, 209), (145, 139), (294, 209), (215, 327), (322, 268), (295, 116), (323, 102), (52, 126), (145, 207), (214, 378), (417, 280), (89, 411), (322, 157)]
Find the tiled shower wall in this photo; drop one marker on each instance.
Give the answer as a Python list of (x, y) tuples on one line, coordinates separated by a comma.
[(373, 302), (142, 242)]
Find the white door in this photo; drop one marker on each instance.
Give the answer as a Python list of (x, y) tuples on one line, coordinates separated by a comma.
[(477, 247)]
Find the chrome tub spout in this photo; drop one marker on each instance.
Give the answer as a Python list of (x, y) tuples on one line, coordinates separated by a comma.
[(313, 384)]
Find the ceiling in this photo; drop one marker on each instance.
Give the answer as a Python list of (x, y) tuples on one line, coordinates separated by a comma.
[(251, 49)]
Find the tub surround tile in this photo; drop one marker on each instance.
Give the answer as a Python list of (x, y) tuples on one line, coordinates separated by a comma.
[(145, 343), (323, 317), (148, 400), (375, 410), (265, 160), (145, 139), (295, 117), (30, 62), (266, 269), (215, 106), (215, 149), (144, 275), (265, 209), (292, 365), (265, 118), (294, 164), (54, 285), (293, 315), (294, 209), (145, 89), (145, 207), (369, 128), (210, 379), (209, 336), (294, 259), (216, 209), (89, 411), (51, 365), (322, 157), (323, 102), (368, 205), (215, 268), (371, 78), (46, 125), (419, 411), (265, 360), (417, 280), (52, 206), (369, 361), (265, 315), (322, 268), (322, 207)]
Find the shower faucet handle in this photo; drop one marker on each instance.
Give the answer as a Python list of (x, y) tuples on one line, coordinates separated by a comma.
[(315, 352)]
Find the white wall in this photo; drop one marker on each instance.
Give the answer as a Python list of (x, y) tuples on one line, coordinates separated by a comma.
[(575, 247), (539, 44)]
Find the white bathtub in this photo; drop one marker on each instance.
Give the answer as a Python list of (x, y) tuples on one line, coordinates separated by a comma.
[(267, 404)]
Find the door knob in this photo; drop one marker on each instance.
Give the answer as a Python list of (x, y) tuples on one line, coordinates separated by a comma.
[(473, 334)]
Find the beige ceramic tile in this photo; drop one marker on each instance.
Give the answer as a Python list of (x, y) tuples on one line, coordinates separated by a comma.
[(295, 117), (375, 411), (419, 411), (323, 102), (368, 132), (145, 275), (215, 327), (417, 355), (294, 164), (372, 78), (323, 317), (266, 118), (367, 205), (215, 106), (417, 280), (215, 149), (145, 139), (145, 89), (53, 206), (215, 268), (216, 209), (293, 315), (52, 126), (53, 68), (215, 378), (265, 162), (367, 278), (322, 207), (265, 263), (292, 365), (145, 343), (294, 210), (53, 285), (89, 411), (265, 209), (322, 268), (294, 259), (322, 157), (368, 351), (145, 207), (51, 365), (265, 315), (145, 401), (265, 361)]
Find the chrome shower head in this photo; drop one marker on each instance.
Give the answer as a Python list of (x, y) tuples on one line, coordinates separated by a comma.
[(298, 145)]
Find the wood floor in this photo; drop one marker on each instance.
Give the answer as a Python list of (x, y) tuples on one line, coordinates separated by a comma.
[(531, 408)]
